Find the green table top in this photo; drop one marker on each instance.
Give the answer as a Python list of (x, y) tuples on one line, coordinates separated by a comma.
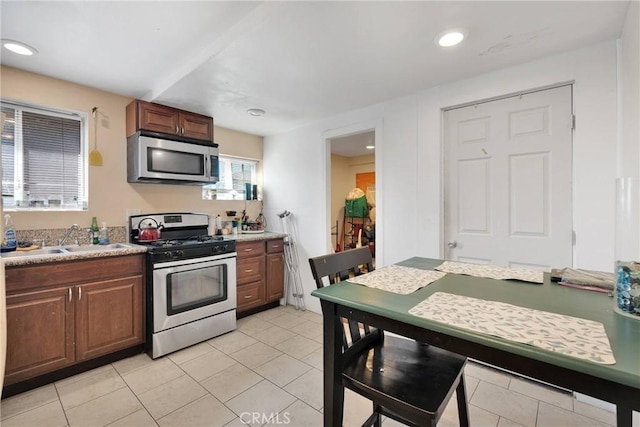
[(623, 332)]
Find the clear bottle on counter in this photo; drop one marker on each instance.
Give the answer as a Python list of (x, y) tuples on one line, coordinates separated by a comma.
[(104, 234)]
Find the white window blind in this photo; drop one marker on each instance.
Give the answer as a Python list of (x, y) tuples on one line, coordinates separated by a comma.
[(234, 174), (43, 165)]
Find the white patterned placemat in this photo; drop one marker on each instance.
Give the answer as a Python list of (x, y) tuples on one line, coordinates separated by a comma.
[(491, 271), (571, 336), (398, 279)]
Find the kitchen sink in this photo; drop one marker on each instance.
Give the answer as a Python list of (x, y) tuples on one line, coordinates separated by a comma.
[(96, 248), (37, 252), (61, 250)]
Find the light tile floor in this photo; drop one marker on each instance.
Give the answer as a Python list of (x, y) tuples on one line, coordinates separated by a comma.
[(268, 372)]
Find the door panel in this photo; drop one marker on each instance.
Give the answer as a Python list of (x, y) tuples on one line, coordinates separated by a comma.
[(40, 333), (529, 195), (474, 202), (508, 181), (109, 316)]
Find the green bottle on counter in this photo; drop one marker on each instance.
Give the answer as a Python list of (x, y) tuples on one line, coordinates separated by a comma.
[(95, 231)]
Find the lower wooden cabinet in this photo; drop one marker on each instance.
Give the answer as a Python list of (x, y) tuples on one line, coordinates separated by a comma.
[(275, 271), (108, 316), (260, 273), (63, 313), (40, 333)]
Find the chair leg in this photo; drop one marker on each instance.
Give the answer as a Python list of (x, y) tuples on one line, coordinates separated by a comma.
[(373, 420), (463, 408), (378, 420)]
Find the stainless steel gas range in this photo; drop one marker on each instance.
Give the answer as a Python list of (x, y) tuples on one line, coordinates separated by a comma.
[(191, 281)]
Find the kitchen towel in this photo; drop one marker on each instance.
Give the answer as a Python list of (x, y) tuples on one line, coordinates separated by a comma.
[(398, 279), (570, 336), (492, 271)]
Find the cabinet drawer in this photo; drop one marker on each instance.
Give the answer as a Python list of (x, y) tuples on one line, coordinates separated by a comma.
[(249, 269), (249, 249), (274, 246), (65, 273), (251, 295)]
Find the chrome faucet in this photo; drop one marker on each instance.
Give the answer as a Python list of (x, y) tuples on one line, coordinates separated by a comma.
[(66, 236)]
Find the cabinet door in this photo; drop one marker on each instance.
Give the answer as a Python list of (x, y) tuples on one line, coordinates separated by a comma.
[(275, 276), (109, 316), (196, 126), (158, 118), (40, 333)]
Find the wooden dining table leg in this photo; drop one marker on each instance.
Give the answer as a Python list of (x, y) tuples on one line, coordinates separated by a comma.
[(332, 378)]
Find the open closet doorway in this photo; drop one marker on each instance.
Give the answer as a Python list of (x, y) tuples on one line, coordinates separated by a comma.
[(353, 191)]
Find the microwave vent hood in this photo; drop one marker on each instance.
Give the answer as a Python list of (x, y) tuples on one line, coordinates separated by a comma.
[(156, 159)]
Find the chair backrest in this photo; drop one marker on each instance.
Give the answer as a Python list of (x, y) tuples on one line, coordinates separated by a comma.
[(340, 266)]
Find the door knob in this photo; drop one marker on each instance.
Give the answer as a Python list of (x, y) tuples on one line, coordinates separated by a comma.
[(452, 244)]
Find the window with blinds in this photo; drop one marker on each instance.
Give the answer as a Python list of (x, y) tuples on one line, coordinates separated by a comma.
[(43, 162), (234, 174)]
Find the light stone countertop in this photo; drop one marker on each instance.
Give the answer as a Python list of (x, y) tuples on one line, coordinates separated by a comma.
[(79, 253), (246, 237), (116, 249)]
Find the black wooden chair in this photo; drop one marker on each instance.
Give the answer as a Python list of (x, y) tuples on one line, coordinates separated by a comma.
[(408, 381)]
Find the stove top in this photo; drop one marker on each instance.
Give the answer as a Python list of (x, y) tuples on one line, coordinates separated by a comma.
[(193, 240), (183, 236)]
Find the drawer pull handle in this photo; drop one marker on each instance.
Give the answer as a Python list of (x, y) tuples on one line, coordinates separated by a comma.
[(79, 294), (70, 294), (248, 271), (247, 296), (248, 249), (275, 246)]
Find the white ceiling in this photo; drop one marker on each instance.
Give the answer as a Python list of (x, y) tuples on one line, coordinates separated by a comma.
[(299, 61), (354, 145)]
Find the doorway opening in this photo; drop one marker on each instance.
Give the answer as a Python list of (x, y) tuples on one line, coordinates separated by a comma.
[(353, 190)]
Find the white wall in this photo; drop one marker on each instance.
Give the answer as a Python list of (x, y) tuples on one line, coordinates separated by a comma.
[(629, 101), (630, 93), (408, 161)]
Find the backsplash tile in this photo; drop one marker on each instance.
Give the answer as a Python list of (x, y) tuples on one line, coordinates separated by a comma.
[(50, 236)]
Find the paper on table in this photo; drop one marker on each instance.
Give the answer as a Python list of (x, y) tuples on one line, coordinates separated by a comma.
[(571, 336), (491, 271), (398, 279)]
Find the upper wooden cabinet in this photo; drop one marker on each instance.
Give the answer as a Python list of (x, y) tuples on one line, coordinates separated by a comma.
[(142, 115)]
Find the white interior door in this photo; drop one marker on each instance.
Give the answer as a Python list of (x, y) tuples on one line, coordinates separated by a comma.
[(507, 195)]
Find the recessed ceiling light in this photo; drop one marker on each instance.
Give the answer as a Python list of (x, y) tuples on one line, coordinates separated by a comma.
[(256, 111), (370, 147), (18, 47), (449, 38)]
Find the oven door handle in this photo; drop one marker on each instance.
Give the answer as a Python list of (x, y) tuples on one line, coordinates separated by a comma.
[(218, 259)]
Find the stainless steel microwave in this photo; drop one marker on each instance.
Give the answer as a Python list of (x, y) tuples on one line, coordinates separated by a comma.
[(153, 159)]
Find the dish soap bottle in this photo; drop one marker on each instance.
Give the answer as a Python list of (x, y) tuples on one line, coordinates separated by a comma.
[(104, 234), (9, 242), (95, 239)]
